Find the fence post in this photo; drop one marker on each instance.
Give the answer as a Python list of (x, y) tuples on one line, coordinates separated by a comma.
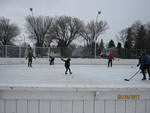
[(19, 52), (48, 52), (6, 51)]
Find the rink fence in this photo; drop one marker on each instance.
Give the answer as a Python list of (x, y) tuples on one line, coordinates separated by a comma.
[(78, 52)]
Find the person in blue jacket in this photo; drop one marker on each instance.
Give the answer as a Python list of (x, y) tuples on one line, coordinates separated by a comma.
[(145, 65), (51, 60)]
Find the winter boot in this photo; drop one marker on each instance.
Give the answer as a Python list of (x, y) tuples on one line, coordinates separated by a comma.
[(144, 78)]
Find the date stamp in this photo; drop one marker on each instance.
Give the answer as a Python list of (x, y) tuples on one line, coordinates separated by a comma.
[(119, 97)]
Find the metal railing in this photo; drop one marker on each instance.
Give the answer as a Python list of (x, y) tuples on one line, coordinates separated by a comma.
[(80, 52), (43, 52)]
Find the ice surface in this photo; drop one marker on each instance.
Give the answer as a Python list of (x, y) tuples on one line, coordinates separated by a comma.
[(85, 76)]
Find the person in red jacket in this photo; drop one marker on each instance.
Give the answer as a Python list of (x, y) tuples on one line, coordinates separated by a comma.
[(110, 58)]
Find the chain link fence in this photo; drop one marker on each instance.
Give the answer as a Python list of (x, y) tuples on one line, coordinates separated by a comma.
[(80, 52), (123, 53)]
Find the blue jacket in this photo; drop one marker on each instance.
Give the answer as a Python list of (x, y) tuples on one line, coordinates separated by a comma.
[(145, 60)]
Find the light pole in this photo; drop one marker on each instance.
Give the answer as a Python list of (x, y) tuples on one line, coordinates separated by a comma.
[(24, 40), (31, 9), (99, 12)]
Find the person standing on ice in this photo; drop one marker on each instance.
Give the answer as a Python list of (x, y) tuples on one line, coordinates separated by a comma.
[(29, 57), (110, 58), (67, 65), (145, 65)]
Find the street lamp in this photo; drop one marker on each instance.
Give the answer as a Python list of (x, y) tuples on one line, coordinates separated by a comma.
[(99, 12), (31, 9), (24, 40)]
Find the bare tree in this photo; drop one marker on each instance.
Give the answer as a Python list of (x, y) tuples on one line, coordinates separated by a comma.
[(65, 29), (93, 30), (39, 26), (8, 31), (122, 36)]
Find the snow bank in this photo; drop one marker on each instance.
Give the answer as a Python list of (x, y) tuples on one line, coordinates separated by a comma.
[(80, 61)]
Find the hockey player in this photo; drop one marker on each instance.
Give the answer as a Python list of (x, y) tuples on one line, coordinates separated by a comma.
[(110, 58), (145, 65), (67, 65), (139, 57), (29, 57), (51, 60)]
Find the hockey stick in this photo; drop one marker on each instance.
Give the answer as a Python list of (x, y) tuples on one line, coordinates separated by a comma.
[(116, 59), (132, 76)]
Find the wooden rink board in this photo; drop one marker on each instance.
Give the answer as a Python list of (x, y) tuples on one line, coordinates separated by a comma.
[(28, 101), (22, 96)]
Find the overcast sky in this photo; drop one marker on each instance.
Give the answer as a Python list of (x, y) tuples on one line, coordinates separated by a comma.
[(119, 14)]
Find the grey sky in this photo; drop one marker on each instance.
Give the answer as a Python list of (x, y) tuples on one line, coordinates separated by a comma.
[(119, 14)]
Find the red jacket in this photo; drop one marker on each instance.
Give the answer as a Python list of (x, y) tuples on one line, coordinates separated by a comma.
[(110, 56)]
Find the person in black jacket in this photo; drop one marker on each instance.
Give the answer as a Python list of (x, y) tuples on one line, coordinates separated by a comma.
[(29, 57), (67, 65)]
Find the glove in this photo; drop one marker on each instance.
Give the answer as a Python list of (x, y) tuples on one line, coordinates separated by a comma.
[(141, 67)]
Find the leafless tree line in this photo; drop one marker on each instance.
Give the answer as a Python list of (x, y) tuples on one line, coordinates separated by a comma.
[(45, 30), (135, 37), (8, 31)]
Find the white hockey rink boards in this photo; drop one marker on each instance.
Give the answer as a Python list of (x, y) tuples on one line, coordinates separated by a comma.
[(28, 101)]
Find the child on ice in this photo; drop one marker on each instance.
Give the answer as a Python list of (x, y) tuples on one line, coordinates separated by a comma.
[(67, 65), (51, 60), (29, 57), (110, 58)]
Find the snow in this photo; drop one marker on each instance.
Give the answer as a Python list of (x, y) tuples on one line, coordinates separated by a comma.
[(79, 61), (84, 77)]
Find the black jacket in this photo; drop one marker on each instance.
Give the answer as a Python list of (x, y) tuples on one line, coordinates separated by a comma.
[(30, 55), (67, 62)]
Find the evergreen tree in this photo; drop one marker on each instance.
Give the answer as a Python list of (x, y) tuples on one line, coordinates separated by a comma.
[(119, 45), (128, 43), (111, 44), (148, 35), (140, 39), (101, 44)]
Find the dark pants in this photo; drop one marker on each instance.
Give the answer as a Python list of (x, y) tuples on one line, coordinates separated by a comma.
[(110, 62), (144, 68), (68, 68), (51, 62), (30, 63)]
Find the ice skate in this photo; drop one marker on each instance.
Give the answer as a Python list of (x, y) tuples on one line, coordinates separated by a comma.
[(143, 78)]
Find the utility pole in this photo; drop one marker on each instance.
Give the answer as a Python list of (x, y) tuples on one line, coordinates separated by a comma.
[(99, 12)]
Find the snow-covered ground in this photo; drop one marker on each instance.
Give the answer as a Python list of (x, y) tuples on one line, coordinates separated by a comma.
[(45, 76)]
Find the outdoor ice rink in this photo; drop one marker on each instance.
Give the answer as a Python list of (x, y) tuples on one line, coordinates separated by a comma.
[(84, 76), (92, 88)]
